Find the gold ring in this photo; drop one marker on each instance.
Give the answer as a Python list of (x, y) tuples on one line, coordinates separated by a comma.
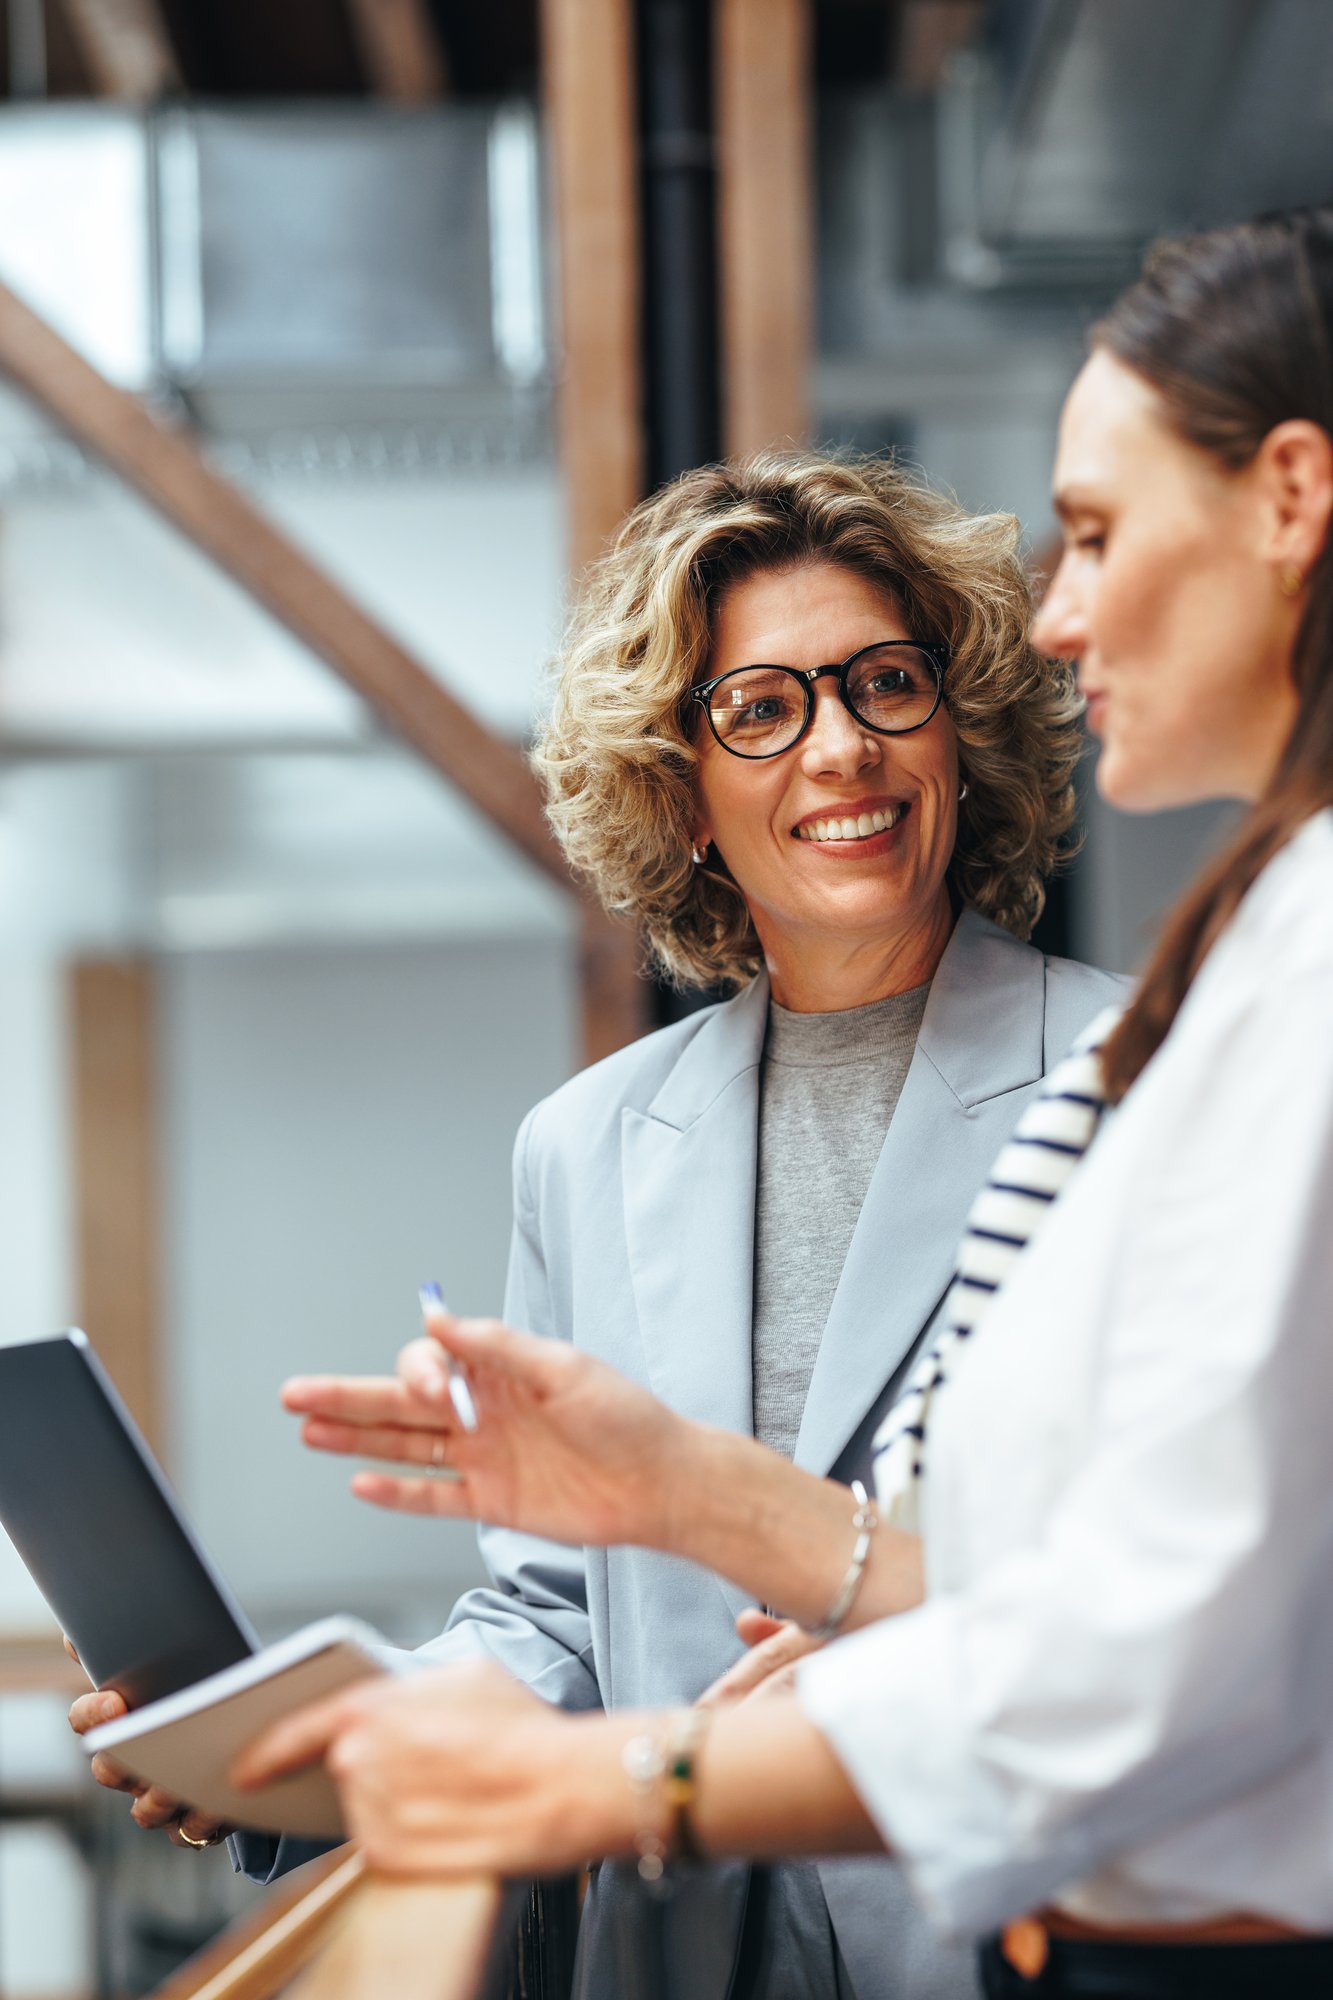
[(437, 1453), (213, 1839)]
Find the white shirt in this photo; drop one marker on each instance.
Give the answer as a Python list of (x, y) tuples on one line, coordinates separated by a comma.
[(1119, 1691)]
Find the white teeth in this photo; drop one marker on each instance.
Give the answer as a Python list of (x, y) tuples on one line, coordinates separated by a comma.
[(863, 827)]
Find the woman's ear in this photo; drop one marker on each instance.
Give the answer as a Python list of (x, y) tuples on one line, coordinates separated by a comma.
[(1294, 469)]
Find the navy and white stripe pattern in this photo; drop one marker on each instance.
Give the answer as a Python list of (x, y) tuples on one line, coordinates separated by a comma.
[(1048, 1142)]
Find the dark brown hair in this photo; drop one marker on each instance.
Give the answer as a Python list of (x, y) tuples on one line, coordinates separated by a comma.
[(1234, 330)]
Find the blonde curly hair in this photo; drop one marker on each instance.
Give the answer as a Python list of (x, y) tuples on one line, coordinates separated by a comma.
[(616, 755)]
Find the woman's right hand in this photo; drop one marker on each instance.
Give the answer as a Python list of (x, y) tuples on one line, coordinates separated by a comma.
[(565, 1446), (152, 1808)]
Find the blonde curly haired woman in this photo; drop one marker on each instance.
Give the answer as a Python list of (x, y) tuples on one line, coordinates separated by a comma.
[(800, 737)]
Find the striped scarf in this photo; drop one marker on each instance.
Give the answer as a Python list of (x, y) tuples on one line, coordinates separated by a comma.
[(1048, 1142)]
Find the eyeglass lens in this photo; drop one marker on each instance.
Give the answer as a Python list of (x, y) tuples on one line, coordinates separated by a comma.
[(758, 711)]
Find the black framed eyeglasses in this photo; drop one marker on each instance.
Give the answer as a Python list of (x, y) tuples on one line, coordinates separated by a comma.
[(893, 688)]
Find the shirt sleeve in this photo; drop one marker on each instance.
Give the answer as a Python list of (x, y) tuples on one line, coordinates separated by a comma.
[(1164, 1642)]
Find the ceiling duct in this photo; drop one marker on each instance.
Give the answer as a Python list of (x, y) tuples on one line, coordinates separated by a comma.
[(305, 252), (347, 288), (1083, 128)]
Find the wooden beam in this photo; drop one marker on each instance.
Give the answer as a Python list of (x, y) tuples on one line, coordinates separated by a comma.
[(124, 46), (401, 50), (614, 996), (590, 100), (591, 122), (168, 470), (930, 34), (115, 1118), (33, 1663), (764, 83)]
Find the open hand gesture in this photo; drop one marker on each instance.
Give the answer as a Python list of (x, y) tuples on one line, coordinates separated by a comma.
[(565, 1446)]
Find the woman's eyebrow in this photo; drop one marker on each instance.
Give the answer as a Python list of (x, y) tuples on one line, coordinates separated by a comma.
[(1070, 500)]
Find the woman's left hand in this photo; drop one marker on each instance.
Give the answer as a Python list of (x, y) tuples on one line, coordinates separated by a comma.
[(456, 1770)]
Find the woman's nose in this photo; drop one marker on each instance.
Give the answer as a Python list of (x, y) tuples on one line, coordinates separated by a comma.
[(1060, 626), (835, 740)]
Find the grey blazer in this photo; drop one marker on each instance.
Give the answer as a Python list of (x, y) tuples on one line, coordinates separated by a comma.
[(634, 1194)]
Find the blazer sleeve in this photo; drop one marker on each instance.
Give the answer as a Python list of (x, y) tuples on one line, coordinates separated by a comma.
[(534, 1616)]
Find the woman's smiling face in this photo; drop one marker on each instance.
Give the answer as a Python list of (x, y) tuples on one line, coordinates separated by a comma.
[(807, 895)]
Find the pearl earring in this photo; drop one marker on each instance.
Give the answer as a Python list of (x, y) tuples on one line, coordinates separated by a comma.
[(698, 855), (1290, 581), (963, 791)]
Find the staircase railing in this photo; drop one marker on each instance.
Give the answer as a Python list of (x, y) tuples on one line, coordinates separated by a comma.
[(335, 1931)]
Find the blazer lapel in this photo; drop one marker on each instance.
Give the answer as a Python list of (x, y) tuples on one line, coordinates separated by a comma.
[(980, 1041), (689, 1191)]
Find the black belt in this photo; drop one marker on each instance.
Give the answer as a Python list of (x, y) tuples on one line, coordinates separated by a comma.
[(1295, 1969)]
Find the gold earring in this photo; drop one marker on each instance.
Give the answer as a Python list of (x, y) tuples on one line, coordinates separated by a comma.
[(1290, 581)]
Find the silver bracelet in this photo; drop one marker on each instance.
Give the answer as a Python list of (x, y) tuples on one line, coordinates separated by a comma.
[(865, 1521)]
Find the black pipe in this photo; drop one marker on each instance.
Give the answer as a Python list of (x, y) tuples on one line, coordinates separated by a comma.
[(679, 236)]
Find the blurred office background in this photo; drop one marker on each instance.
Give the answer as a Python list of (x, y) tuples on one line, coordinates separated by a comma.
[(438, 288)]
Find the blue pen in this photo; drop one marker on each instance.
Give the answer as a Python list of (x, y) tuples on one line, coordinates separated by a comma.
[(460, 1393)]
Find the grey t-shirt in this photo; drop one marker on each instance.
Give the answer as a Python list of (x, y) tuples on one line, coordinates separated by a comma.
[(829, 1086)]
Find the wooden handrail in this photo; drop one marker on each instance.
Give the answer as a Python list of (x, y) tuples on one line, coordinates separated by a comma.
[(411, 1940), (341, 1933), (257, 1955)]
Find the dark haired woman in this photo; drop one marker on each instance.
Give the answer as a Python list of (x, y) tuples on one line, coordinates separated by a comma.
[(1112, 1699)]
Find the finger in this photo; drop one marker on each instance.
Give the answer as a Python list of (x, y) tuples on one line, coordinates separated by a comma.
[(109, 1774), (790, 1644), (424, 1372), (410, 1447), (444, 1497), (90, 1710), (155, 1808), (198, 1826), (523, 1362), (782, 1682), (298, 1739), (68, 1644), (489, 1343), (350, 1399), (762, 1660), (727, 1688), (754, 1626)]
